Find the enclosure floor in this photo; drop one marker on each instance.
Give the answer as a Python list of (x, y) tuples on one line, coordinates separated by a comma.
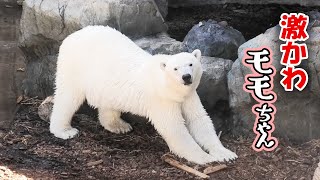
[(30, 150)]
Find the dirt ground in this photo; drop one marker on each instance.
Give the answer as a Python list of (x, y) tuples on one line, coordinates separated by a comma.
[(28, 150)]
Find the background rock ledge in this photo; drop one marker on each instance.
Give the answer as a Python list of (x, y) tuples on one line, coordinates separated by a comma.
[(45, 23)]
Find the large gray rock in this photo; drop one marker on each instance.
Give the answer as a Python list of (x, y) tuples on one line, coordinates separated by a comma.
[(45, 23), (186, 3), (298, 113), (45, 109), (213, 86), (163, 7), (213, 91), (214, 39), (160, 44), (40, 75)]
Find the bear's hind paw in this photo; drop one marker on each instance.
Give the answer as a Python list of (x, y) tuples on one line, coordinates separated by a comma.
[(118, 127)]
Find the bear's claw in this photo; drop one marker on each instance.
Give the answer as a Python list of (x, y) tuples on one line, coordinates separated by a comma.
[(223, 154)]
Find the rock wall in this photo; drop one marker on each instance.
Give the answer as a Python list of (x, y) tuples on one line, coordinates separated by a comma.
[(45, 23), (298, 115), (11, 63), (214, 39)]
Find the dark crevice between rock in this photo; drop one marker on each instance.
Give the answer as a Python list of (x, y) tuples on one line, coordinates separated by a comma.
[(62, 10), (250, 20), (221, 116)]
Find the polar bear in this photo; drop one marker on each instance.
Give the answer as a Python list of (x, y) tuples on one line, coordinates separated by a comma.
[(114, 75)]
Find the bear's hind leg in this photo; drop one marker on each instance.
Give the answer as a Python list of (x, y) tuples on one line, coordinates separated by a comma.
[(65, 105), (112, 122)]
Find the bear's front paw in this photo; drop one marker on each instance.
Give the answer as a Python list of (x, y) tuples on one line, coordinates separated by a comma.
[(202, 158), (65, 133), (222, 154)]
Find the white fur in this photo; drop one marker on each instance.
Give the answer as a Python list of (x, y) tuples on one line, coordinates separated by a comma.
[(105, 67)]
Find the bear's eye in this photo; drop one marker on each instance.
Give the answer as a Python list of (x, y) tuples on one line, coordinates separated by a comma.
[(175, 69), (190, 64)]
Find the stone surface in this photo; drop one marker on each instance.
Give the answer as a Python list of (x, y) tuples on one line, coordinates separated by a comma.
[(162, 7), (20, 2), (7, 87), (11, 59), (297, 116), (213, 86), (160, 44), (40, 76), (213, 91), (45, 23), (214, 39), (45, 109), (186, 3)]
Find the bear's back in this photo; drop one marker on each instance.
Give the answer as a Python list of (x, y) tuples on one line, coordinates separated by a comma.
[(100, 43), (104, 64)]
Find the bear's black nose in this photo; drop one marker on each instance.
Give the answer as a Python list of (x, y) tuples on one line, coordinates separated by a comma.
[(187, 79)]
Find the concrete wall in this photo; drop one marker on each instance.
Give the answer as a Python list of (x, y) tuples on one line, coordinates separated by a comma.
[(11, 59)]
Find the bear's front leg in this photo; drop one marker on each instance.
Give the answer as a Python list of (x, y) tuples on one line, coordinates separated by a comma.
[(66, 103), (168, 121), (202, 130)]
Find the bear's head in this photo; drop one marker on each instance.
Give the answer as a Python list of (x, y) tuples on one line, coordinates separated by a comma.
[(183, 70)]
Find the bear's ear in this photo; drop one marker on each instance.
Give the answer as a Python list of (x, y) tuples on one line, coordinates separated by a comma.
[(162, 65), (197, 54)]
